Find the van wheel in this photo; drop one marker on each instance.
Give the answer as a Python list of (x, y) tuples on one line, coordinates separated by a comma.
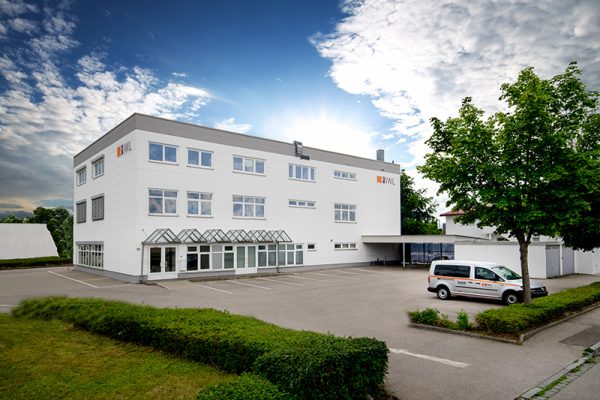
[(443, 293), (510, 298)]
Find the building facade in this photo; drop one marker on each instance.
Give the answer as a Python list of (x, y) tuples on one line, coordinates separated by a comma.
[(160, 199)]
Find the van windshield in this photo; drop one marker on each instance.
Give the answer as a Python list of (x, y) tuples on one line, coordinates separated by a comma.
[(506, 273)]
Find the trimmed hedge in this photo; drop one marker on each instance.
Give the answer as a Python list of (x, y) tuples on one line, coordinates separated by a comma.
[(244, 387), (307, 365), (33, 262), (520, 318)]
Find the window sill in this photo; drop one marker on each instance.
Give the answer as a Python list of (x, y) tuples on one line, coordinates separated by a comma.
[(163, 162), (302, 180), (200, 166), (346, 222), (163, 215), (311, 208), (199, 216), (256, 218), (345, 179), (345, 249), (97, 176), (248, 173)]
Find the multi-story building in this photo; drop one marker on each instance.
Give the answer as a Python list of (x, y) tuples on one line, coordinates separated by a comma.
[(160, 199)]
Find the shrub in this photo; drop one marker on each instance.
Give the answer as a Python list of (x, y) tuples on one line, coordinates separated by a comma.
[(429, 316), (519, 318), (32, 262), (307, 365), (244, 387), (462, 321)]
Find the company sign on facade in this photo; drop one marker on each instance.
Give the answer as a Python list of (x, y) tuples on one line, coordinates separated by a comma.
[(124, 148), (385, 180)]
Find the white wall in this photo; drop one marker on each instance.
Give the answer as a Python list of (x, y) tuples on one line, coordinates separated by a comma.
[(505, 253), (128, 178), (587, 262), (454, 228), (25, 241)]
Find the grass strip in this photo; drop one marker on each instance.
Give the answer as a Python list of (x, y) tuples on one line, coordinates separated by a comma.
[(54, 360)]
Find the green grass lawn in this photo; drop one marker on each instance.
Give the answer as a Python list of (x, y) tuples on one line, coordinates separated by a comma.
[(53, 360)]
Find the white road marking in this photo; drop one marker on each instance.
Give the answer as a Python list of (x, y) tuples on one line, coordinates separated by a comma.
[(331, 276), (431, 358), (212, 288), (310, 279), (7, 305), (71, 279), (380, 273), (111, 286), (96, 279), (280, 281), (364, 273), (251, 285)]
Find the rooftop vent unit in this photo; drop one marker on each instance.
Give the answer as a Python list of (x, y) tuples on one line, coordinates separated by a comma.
[(380, 155), (298, 148)]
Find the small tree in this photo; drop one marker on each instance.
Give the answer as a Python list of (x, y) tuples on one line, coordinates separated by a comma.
[(529, 171), (418, 210)]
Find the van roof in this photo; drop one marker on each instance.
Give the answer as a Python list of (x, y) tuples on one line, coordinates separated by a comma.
[(466, 262)]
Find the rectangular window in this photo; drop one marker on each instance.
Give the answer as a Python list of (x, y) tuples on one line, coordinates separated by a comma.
[(162, 201), (301, 172), (192, 258), (311, 247), (291, 254), (199, 203), (344, 175), (249, 207), (162, 153), (272, 255), (249, 165), (228, 257), (344, 212), (97, 208), (302, 203), (344, 246), (90, 255), (81, 176), (98, 167), (200, 158), (81, 211)]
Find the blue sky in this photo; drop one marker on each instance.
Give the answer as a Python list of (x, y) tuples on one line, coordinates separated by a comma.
[(346, 76)]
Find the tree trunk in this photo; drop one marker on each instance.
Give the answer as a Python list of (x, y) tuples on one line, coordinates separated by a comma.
[(524, 250)]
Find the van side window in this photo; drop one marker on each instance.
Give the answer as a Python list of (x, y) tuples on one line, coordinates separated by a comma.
[(456, 271), (484, 273)]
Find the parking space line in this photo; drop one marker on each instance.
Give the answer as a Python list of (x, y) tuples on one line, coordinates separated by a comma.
[(212, 288), (251, 285), (280, 281), (71, 279), (96, 279), (431, 358), (7, 305), (365, 273), (331, 276), (380, 273), (310, 279), (111, 286)]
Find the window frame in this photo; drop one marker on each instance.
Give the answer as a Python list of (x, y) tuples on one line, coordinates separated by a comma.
[(78, 175), (86, 252), (77, 213), (351, 176), (163, 197), (350, 210), (244, 160), (298, 203), (293, 170), (199, 202), (200, 153), (97, 197), (163, 153), (244, 203), (98, 160), (345, 246)]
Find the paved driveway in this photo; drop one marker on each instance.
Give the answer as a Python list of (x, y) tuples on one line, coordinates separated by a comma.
[(370, 301)]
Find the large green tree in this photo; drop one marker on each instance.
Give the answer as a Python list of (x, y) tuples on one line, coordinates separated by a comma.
[(532, 170), (417, 209)]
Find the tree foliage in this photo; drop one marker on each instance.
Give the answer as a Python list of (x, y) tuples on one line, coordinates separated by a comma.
[(532, 170), (59, 223), (417, 210)]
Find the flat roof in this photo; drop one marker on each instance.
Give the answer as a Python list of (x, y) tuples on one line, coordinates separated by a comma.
[(212, 135), (418, 238)]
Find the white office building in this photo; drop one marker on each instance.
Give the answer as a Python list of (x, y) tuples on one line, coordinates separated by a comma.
[(160, 199)]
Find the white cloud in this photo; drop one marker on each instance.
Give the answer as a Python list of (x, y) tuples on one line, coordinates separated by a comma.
[(230, 125), (13, 8), (46, 117), (23, 25), (418, 59), (180, 74)]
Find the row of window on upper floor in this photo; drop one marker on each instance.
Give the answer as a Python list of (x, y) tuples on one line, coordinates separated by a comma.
[(158, 152), (165, 153)]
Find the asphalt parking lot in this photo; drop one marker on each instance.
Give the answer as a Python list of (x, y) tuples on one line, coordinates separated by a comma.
[(369, 301)]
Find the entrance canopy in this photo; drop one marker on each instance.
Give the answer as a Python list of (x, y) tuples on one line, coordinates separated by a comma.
[(417, 238), (166, 236)]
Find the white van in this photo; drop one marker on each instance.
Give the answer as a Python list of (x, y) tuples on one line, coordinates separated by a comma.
[(450, 278)]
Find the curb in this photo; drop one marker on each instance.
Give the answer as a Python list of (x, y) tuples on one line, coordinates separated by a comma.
[(522, 338), (560, 374)]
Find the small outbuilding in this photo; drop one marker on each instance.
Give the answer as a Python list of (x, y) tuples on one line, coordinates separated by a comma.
[(26, 241)]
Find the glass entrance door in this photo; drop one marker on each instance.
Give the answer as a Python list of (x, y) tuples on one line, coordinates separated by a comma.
[(163, 262), (245, 259)]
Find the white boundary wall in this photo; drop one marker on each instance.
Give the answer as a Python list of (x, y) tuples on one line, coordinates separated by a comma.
[(25, 241)]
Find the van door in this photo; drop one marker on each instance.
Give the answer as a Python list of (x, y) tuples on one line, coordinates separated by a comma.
[(486, 283)]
